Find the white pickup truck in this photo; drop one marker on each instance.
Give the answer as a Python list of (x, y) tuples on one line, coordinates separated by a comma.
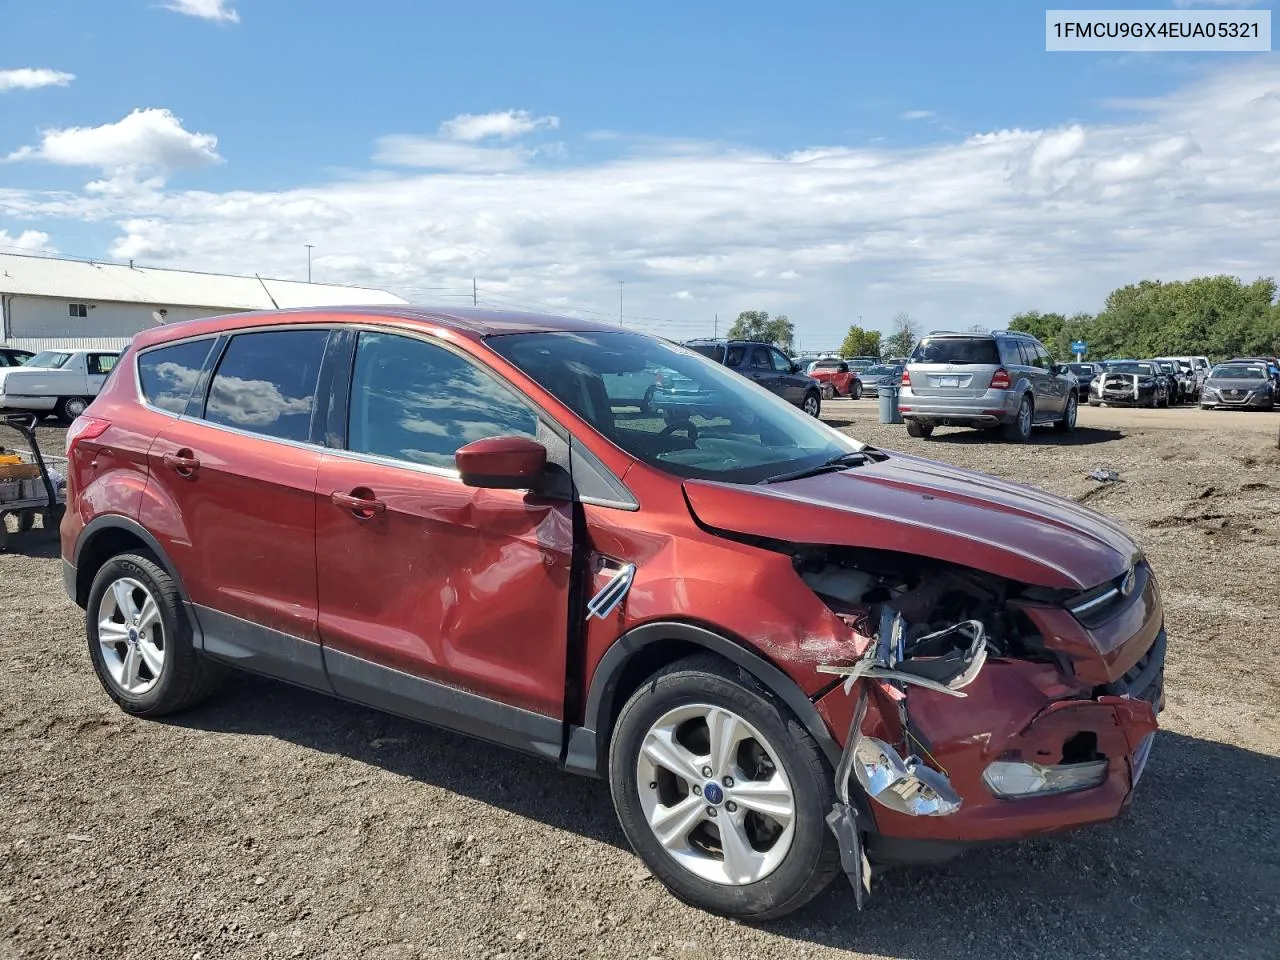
[(61, 382)]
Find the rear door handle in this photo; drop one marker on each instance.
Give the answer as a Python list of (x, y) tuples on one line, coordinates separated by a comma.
[(183, 462), (362, 503)]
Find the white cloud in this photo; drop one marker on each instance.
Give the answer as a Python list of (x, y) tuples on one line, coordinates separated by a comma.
[(506, 125), (217, 10), (956, 232), (32, 78), (28, 241), (919, 115), (407, 150), (151, 140)]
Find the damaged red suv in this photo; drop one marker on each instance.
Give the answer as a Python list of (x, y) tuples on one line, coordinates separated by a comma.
[(791, 655)]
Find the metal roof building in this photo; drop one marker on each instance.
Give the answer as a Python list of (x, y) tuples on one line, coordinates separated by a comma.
[(48, 301)]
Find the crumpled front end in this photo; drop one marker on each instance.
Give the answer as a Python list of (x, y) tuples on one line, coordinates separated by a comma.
[(975, 711)]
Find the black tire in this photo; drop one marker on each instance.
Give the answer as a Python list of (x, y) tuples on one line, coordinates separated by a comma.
[(186, 677), (856, 392), (921, 431), (812, 403), (71, 407), (813, 859), (1020, 430), (1068, 422)]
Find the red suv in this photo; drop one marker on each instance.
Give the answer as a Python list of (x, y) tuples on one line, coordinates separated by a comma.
[(790, 653)]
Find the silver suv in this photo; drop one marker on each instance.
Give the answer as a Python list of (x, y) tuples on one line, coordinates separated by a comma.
[(1004, 380)]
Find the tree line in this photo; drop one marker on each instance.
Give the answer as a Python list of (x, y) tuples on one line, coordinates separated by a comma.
[(1219, 317)]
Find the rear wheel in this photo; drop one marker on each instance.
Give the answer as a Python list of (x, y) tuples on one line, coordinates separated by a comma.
[(812, 403), (723, 793), (856, 392), (140, 639), (1020, 430), (71, 407), (921, 431)]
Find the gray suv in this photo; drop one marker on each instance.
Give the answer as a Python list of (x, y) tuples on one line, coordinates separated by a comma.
[(1004, 380)]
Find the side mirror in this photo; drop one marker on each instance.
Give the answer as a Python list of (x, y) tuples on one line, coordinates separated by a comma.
[(502, 463), (795, 368)]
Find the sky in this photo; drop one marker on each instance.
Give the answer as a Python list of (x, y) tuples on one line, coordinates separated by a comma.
[(837, 162)]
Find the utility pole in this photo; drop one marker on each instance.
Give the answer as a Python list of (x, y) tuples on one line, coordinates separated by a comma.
[(309, 246), (715, 328), (475, 298), (620, 283)]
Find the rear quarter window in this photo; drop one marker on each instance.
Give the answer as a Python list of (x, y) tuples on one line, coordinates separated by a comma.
[(712, 351), (956, 350), (167, 375)]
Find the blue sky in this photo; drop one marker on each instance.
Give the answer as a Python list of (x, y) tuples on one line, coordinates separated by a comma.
[(812, 158)]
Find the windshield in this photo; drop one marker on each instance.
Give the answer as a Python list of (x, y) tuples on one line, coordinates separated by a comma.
[(1142, 369), (52, 359), (1238, 373), (956, 350), (1081, 368), (700, 420)]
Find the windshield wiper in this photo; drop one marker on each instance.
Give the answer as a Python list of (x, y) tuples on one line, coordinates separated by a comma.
[(839, 462)]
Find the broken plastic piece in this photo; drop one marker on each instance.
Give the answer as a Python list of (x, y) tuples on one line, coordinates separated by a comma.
[(1104, 476), (612, 593), (907, 786)]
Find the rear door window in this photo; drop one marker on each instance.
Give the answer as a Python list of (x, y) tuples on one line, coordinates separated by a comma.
[(956, 350), (736, 356), (760, 359), (167, 375), (102, 363), (266, 383)]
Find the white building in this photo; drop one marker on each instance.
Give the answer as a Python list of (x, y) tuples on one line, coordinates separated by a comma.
[(49, 302)]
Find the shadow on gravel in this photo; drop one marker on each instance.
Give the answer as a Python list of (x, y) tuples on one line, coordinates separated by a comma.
[(1189, 871), (39, 544), (1082, 437), (503, 778)]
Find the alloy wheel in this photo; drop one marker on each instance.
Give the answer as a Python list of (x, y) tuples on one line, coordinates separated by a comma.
[(1024, 419), (811, 405), (714, 795), (131, 633)]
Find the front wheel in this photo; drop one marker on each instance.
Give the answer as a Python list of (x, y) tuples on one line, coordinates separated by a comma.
[(723, 793), (812, 403), (1068, 422), (856, 392)]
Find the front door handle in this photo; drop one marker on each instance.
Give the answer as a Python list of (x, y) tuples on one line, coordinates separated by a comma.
[(360, 501), (184, 463)]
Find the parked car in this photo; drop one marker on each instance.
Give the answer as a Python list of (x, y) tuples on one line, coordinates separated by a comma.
[(1174, 384), (1243, 385), (1002, 379), (1085, 372), (14, 357), (767, 366), (61, 382), (1270, 364), (1130, 383), (880, 375), (843, 379), (437, 513)]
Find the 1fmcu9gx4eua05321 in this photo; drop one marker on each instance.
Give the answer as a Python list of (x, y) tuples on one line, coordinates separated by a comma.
[(790, 654)]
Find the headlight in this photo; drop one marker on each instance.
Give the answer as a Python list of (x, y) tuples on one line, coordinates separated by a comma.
[(907, 786), (1012, 780), (1211, 393)]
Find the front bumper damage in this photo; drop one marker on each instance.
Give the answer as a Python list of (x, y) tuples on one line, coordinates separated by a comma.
[(956, 749)]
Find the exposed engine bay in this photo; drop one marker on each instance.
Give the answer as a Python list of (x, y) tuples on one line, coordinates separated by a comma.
[(926, 635)]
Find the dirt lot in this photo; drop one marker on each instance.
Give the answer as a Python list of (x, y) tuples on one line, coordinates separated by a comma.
[(277, 823)]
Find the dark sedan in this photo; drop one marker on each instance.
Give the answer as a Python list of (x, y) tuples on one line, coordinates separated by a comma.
[(880, 375), (1130, 383), (1246, 386), (1085, 372)]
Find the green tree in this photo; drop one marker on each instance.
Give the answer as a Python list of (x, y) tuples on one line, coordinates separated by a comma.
[(902, 341), (860, 343), (758, 325)]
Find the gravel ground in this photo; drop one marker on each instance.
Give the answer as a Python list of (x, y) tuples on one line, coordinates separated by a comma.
[(272, 822)]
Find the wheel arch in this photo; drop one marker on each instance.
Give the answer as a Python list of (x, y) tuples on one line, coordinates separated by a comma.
[(639, 653), (110, 535)]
